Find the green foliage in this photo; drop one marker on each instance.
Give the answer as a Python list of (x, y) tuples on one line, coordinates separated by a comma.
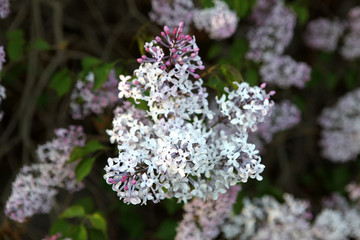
[(61, 82), (40, 44), (100, 69), (80, 152), (87, 203), (301, 11), (16, 42), (84, 168), (167, 230), (79, 232), (98, 221), (73, 211), (61, 226), (131, 220), (252, 76), (172, 206)]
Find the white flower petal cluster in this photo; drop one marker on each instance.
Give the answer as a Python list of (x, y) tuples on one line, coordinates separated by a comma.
[(266, 218), (273, 31), (323, 34), (340, 136), (351, 46), (179, 147), (219, 21), (36, 185), (285, 72), (4, 8), (171, 12), (85, 100), (202, 219)]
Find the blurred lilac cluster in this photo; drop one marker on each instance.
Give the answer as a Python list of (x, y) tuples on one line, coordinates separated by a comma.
[(4, 8), (35, 186), (340, 137), (86, 100), (179, 147), (203, 219), (218, 21), (323, 34), (273, 31), (2, 89), (265, 218)]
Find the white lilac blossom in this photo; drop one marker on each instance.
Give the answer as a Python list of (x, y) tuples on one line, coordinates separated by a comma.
[(85, 100), (323, 34), (265, 218), (219, 21), (4, 8), (285, 72), (340, 137), (2, 89), (179, 147), (36, 185), (284, 115), (351, 44), (202, 219), (273, 31), (171, 12), (353, 190)]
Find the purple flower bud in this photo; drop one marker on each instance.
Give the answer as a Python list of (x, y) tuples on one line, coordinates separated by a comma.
[(139, 60), (158, 39)]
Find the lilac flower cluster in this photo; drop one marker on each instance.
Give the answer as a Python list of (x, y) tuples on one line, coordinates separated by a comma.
[(219, 21), (338, 220), (285, 72), (36, 185), (273, 32), (85, 100), (284, 115), (4, 8), (266, 218), (351, 46), (179, 147), (171, 12), (202, 220), (340, 137), (323, 34), (2, 89)]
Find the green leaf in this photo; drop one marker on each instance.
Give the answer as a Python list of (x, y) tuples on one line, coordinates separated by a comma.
[(15, 47), (214, 51), (79, 233), (61, 82), (89, 62), (84, 168), (167, 230), (61, 226), (241, 7), (95, 234), (98, 221), (301, 12), (86, 203), (172, 206), (73, 211), (40, 44), (101, 73), (351, 79), (251, 76), (80, 152)]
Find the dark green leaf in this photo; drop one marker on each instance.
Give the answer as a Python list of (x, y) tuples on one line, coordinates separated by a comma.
[(93, 145), (73, 211), (79, 233), (89, 62), (301, 12), (40, 44), (214, 51), (61, 82), (172, 206), (61, 226), (77, 153), (101, 73), (15, 47), (95, 234), (86, 203), (98, 221), (84, 168), (80, 152), (167, 230), (251, 76)]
